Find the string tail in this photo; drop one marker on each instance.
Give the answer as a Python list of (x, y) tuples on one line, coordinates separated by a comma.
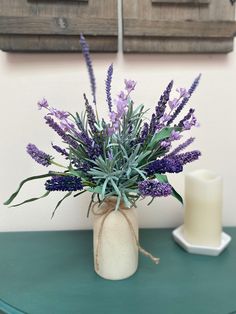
[(156, 260)]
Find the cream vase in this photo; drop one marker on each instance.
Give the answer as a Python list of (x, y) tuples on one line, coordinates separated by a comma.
[(115, 238)]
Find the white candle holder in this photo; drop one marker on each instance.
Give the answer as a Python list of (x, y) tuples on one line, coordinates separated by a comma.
[(178, 235)]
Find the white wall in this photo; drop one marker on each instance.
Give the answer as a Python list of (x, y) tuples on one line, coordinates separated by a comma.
[(62, 78)]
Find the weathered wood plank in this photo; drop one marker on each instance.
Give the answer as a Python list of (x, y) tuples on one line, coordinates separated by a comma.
[(196, 29), (185, 2), (160, 33), (48, 1), (178, 45), (57, 26), (57, 1), (47, 43)]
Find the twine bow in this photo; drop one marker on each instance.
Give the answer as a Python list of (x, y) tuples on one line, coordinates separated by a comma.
[(105, 213)]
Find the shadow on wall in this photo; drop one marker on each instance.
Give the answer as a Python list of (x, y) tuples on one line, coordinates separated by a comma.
[(24, 61)]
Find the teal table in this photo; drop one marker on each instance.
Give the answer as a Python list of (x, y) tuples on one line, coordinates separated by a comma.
[(52, 273)]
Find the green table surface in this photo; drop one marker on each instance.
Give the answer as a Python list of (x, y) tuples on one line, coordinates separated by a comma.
[(52, 273)]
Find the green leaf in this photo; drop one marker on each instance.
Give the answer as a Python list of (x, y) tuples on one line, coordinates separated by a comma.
[(118, 202), (115, 188), (141, 173), (177, 196), (104, 187), (77, 194), (97, 189), (59, 203), (161, 178), (160, 136), (32, 199), (12, 197), (126, 200)]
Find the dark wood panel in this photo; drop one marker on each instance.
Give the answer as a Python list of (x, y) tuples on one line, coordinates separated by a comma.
[(196, 29), (183, 2), (48, 1), (178, 45), (57, 26), (47, 43), (171, 26)]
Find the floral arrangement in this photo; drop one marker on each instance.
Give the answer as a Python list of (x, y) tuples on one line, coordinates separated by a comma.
[(127, 157)]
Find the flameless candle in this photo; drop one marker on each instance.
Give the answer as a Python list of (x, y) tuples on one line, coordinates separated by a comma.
[(203, 207)]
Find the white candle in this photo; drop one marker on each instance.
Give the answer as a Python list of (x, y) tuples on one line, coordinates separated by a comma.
[(203, 207)]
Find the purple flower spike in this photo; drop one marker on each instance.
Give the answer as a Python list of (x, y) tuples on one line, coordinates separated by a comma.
[(188, 157), (161, 106), (43, 103), (154, 188), (181, 147), (186, 118), (85, 51), (144, 133), (64, 183), (39, 156), (108, 86), (60, 132), (164, 165), (60, 150), (90, 115), (185, 99)]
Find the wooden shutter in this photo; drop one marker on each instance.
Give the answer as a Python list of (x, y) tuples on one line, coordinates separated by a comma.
[(55, 25), (182, 26)]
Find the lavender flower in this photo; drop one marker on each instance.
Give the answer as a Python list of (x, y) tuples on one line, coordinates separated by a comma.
[(144, 133), (59, 114), (90, 115), (93, 150), (130, 85), (164, 165), (60, 132), (155, 123), (108, 86), (166, 144), (85, 51), (186, 118), (64, 183), (38, 155), (43, 103), (161, 106), (185, 99), (67, 126), (60, 150), (182, 92), (182, 146), (154, 188), (173, 163), (189, 123), (175, 136), (173, 103), (188, 157)]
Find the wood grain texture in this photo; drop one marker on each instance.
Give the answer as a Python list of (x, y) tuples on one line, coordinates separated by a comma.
[(47, 43), (208, 26), (185, 2), (196, 29), (56, 25)]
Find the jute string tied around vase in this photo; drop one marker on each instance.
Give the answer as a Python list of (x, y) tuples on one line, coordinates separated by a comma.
[(105, 212)]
